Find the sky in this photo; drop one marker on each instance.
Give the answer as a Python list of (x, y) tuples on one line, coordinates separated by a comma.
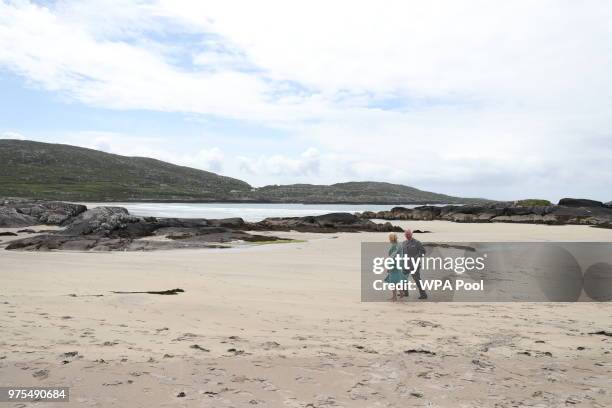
[(503, 100)]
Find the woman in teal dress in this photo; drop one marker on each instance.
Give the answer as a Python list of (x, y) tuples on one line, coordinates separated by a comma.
[(395, 274)]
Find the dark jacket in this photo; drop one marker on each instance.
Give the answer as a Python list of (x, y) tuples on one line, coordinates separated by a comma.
[(413, 248)]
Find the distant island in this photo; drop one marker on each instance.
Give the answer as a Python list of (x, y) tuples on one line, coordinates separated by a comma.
[(62, 172)]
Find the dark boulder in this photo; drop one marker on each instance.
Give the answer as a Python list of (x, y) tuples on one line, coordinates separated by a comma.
[(367, 214), (23, 213), (518, 211), (400, 213), (11, 218), (104, 221), (191, 233), (339, 218), (584, 212), (67, 243), (116, 222), (426, 212), (580, 202), (178, 222), (227, 222), (328, 223)]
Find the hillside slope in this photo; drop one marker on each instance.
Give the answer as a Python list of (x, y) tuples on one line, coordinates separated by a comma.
[(63, 172)]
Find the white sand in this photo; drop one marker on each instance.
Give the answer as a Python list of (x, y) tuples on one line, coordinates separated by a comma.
[(305, 336)]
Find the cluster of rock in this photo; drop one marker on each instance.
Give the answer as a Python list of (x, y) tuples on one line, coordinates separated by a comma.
[(568, 211), (327, 223), (114, 228)]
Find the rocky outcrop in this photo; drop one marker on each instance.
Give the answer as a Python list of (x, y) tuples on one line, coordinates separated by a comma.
[(190, 238), (328, 223), (570, 211), (24, 213), (104, 221), (69, 243), (580, 202), (114, 229), (11, 218)]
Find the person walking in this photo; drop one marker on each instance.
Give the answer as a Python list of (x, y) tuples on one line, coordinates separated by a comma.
[(414, 249), (395, 275)]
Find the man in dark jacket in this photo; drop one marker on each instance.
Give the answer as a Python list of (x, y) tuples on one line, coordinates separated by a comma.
[(414, 249)]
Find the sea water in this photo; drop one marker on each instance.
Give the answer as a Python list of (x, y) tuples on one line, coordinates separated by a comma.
[(247, 211)]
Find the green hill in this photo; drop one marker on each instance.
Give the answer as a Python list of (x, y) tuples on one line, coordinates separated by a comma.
[(356, 192), (63, 172)]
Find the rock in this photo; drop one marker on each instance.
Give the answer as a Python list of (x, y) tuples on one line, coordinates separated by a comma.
[(27, 231), (367, 214), (525, 219), (209, 234), (235, 223), (581, 215), (400, 213), (117, 223), (461, 217), (580, 202), (11, 218), (106, 221), (328, 223), (576, 211), (426, 213), (23, 213), (68, 243), (8, 234)]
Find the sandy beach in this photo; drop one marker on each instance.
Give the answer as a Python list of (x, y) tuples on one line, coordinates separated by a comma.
[(207, 204), (282, 326)]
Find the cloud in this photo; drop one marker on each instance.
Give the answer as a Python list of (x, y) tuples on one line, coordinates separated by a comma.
[(116, 54), (306, 164), (211, 159), (440, 94)]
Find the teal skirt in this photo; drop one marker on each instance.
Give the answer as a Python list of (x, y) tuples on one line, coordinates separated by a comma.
[(395, 276)]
